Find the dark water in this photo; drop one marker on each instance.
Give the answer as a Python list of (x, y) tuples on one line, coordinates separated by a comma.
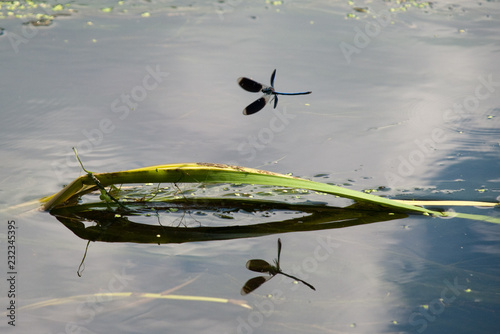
[(404, 97)]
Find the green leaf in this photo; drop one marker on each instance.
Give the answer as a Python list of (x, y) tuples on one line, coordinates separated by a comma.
[(206, 173)]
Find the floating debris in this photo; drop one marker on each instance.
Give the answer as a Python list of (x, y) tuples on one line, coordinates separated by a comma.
[(361, 9), (41, 22)]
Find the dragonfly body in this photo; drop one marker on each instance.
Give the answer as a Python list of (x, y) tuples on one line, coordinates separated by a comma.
[(256, 87)]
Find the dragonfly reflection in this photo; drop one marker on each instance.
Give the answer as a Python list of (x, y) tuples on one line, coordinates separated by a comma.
[(262, 266), (256, 87)]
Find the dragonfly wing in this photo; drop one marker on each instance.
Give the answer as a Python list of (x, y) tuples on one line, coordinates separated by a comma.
[(259, 266), (254, 283), (250, 85), (257, 105), (272, 78)]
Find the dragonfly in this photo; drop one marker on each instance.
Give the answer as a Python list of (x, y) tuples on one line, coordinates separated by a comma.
[(256, 87), (262, 266)]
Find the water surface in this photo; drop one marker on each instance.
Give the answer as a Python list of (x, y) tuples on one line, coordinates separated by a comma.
[(405, 97)]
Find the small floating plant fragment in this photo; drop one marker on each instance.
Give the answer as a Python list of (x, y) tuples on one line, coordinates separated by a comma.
[(361, 9)]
